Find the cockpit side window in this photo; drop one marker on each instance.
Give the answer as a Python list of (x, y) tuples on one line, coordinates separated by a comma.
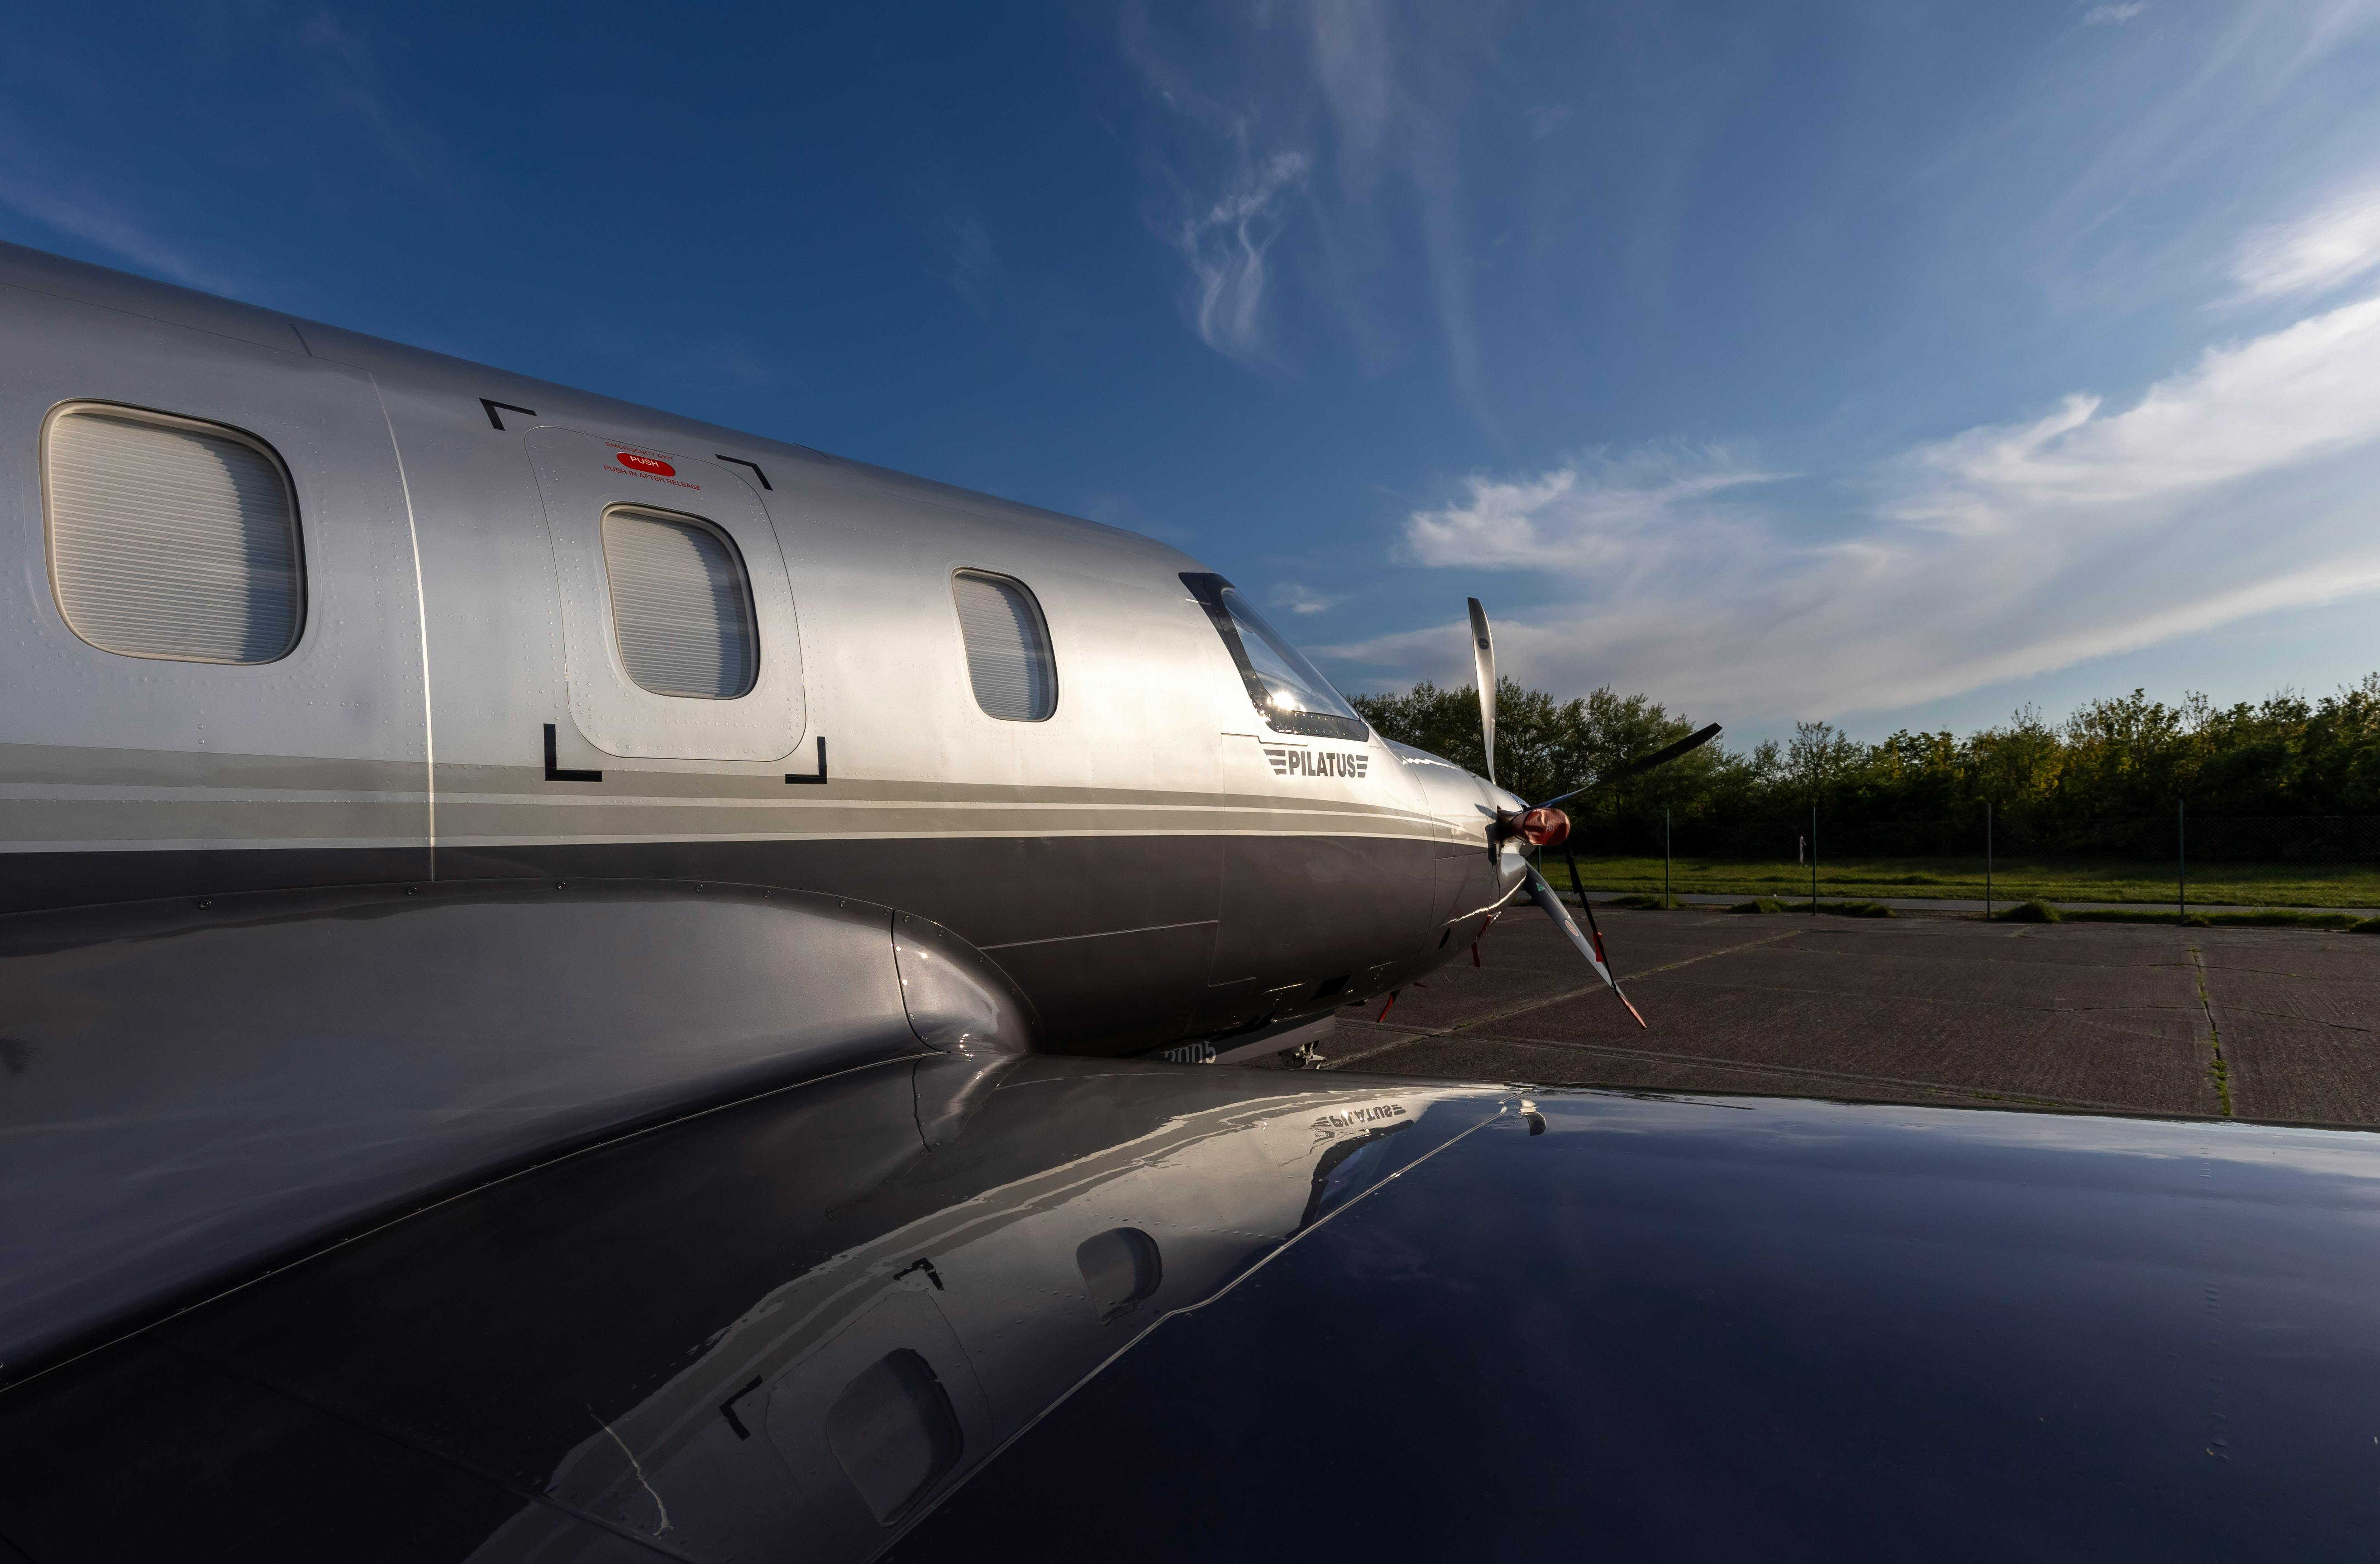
[(1281, 684)]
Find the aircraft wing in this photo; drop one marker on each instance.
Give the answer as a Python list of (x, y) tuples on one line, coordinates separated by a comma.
[(1044, 1307)]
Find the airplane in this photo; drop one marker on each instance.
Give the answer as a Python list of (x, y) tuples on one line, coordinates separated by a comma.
[(561, 979), (587, 762), (425, 621)]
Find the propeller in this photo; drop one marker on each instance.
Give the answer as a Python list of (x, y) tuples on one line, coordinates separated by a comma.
[(1545, 897), (1483, 664), (1542, 826), (1663, 756)]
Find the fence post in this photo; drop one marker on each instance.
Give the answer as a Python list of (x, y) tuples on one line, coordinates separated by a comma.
[(2181, 858), (1664, 859), (1987, 861), (1813, 861)]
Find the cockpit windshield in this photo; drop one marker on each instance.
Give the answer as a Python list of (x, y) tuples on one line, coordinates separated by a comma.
[(1293, 696)]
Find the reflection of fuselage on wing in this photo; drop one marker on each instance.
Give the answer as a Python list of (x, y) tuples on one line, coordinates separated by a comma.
[(475, 683), (995, 1296)]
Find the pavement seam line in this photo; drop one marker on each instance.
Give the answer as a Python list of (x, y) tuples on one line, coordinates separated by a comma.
[(2220, 1069), (2310, 1020), (1965, 1006), (1947, 1088), (1552, 1000)]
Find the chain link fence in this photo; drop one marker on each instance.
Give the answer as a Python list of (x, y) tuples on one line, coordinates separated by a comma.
[(2181, 860)]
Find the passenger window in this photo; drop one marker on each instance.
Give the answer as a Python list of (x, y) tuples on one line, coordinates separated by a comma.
[(170, 538), (1007, 646), (681, 605), (894, 1433), (1121, 1269), (1294, 696)]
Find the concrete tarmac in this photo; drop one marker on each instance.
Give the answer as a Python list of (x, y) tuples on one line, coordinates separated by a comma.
[(2256, 1023), (1699, 899)]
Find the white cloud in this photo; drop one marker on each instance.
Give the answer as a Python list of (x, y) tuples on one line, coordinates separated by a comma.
[(1300, 599), (2113, 16), (2266, 404), (1590, 516), (2333, 245), (2247, 484)]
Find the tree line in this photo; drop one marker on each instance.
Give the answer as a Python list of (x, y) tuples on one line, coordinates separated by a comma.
[(2126, 758)]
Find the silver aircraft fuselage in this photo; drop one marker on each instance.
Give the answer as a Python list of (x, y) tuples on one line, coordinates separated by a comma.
[(1154, 861)]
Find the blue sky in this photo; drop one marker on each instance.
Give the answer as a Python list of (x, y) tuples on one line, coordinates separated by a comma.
[(1891, 362)]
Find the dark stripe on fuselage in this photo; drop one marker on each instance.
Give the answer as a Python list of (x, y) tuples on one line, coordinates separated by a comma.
[(1122, 943)]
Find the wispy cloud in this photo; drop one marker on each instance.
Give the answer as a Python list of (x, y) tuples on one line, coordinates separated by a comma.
[(341, 66), (1322, 103), (1592, 515), (710, 362), (66, 188), (973, 265), (2264, 404), (86, 216), (2238, 486), (1224, 242), (1123, 510), (2114, 180), (1300, 599), (2333, 245)]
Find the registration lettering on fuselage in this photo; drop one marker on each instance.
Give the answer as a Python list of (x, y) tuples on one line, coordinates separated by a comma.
[(1356, 1119), (1356, 1123), (1289, 761)]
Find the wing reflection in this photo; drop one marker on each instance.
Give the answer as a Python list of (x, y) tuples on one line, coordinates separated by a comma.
[(784, 1326)]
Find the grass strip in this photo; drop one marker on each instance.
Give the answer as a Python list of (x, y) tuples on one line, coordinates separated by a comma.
[(2281, 884), (1761, 904)]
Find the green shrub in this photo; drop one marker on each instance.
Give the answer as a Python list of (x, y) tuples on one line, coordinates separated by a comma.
[(2034, 912), (1764, 905)]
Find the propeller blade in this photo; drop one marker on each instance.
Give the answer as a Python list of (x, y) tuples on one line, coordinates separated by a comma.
[(1483, 666), (1685, 746), (1544, 894)]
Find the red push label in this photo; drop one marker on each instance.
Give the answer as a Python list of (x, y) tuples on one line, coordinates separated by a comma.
[(654, 465)]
